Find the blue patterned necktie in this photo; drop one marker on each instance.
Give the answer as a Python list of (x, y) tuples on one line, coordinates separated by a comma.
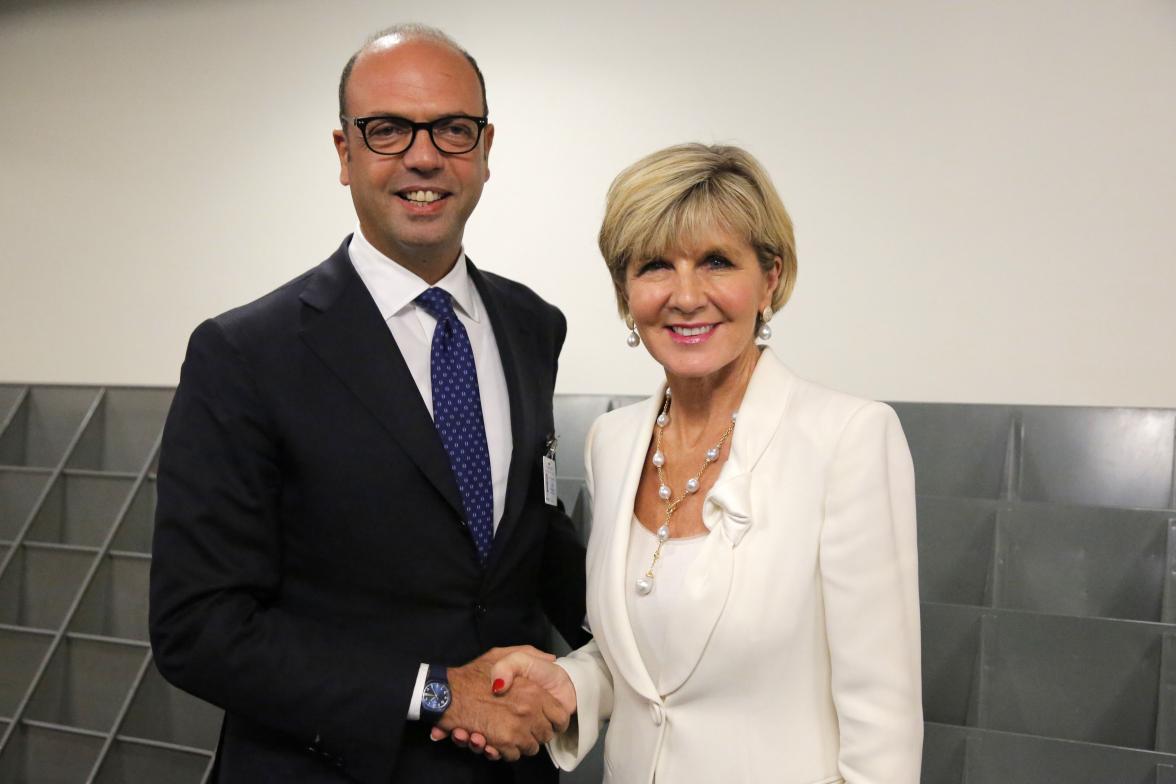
[(457, 415)]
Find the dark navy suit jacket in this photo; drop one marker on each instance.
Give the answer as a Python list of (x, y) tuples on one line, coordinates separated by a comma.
[(309, 552)]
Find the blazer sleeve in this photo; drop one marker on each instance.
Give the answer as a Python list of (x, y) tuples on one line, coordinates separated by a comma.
[(594, 703), (869, 579), (218, 629), (590, 677)]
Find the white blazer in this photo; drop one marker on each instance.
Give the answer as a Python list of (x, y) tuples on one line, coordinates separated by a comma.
[(800, 663)]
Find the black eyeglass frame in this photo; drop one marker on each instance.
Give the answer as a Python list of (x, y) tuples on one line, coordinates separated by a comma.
[(362, 122)]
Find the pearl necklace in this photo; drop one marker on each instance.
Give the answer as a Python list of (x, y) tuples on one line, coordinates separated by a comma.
[(645, 583)]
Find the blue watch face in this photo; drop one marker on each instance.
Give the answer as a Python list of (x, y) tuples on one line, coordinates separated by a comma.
[(436, 697)]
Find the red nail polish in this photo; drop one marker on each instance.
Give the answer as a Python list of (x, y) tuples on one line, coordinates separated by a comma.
[(499, 685)]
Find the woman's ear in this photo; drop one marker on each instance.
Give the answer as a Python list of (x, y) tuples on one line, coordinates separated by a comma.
[(772, 277)]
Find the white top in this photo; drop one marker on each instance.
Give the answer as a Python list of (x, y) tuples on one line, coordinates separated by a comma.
[(394, 288), (653, 615)]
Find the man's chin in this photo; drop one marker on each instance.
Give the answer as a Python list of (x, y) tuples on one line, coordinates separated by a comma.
[(410, 244)]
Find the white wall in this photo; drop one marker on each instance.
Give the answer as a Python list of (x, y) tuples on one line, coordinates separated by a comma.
[(984, 192)]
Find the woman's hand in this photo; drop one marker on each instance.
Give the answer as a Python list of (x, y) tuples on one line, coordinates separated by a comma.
[(541, 670)]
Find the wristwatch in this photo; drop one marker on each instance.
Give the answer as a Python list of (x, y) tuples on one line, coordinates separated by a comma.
[(435, 697)]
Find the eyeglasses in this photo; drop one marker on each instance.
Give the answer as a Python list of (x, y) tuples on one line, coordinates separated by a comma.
[(383, 135)]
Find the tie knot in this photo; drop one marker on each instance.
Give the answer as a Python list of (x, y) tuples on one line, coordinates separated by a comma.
[(437, 302)]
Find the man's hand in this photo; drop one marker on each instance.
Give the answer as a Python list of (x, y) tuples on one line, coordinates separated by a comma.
[(509, 725)]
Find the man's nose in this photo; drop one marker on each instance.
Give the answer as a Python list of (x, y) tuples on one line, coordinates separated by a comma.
[(422, 154)]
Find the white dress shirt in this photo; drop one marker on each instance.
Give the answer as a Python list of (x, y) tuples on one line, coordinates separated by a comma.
[(394, 288)]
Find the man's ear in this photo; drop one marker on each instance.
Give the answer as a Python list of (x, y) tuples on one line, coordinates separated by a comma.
[(487, 139), (340, 139)]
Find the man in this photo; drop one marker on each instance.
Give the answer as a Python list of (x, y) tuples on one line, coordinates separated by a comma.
[(351, 498)]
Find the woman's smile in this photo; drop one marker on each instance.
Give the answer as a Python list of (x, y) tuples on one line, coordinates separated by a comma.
[(691, 334)]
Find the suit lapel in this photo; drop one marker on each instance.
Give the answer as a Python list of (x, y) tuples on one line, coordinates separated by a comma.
[(514, 349), (616, 625), (348, 334)]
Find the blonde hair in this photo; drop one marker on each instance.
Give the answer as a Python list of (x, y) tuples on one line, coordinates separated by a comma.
[(673, 195)]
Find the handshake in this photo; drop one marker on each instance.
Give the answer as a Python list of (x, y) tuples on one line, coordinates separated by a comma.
[(507, 703)]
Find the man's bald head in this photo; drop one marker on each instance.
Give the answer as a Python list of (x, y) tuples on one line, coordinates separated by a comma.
[(407, 32)]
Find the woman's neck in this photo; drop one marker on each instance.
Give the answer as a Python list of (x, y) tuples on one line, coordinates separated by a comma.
[(698, 403)]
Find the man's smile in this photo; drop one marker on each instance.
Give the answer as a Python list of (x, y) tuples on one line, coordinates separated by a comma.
[(422, 196)]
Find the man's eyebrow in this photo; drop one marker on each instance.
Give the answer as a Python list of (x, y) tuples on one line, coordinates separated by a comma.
[(383, 113)]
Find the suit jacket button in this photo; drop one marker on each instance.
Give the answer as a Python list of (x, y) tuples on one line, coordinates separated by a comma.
[(480, 608), (655, 713)]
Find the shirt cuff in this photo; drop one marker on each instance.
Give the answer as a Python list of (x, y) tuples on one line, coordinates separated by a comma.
[(414, 707)]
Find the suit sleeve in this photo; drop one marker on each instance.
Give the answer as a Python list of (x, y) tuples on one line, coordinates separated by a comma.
[(218, 628), (591, 678), (563, 580), (869, 579), (563, 583)]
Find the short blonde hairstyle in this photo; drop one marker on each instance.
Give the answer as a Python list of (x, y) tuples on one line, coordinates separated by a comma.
[(670, 197)]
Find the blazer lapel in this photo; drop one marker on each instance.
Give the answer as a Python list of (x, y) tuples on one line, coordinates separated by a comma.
[(728, 514), (616, 625), (707, 585), (348, 334)]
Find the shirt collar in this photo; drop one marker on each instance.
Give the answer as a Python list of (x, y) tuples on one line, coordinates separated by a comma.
[(394, 287)]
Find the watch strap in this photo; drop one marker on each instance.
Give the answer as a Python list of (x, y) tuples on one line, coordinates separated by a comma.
[(437, 672)]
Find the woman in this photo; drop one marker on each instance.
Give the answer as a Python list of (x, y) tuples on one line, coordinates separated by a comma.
[(752, 580)]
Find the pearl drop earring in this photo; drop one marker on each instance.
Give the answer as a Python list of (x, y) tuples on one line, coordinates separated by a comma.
[(765, 332), (633, 339)]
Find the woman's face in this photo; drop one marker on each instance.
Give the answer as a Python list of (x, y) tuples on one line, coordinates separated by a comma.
[(695, 306)]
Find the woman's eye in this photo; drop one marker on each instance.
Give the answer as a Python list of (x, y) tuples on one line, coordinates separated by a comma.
[(717, 260), (651, 265)]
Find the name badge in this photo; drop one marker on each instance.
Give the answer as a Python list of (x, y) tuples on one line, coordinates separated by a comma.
[(549, 488), (550, 495)]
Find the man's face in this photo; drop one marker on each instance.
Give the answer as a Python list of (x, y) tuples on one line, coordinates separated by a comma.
[(413, 206)]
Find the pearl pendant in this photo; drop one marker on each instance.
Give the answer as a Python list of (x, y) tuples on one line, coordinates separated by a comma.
[(663, 419), (765, 332), (659, 459), (663, 533), (712, 454), (644, 586), (633, 339), (691, 485), (663, 492)]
